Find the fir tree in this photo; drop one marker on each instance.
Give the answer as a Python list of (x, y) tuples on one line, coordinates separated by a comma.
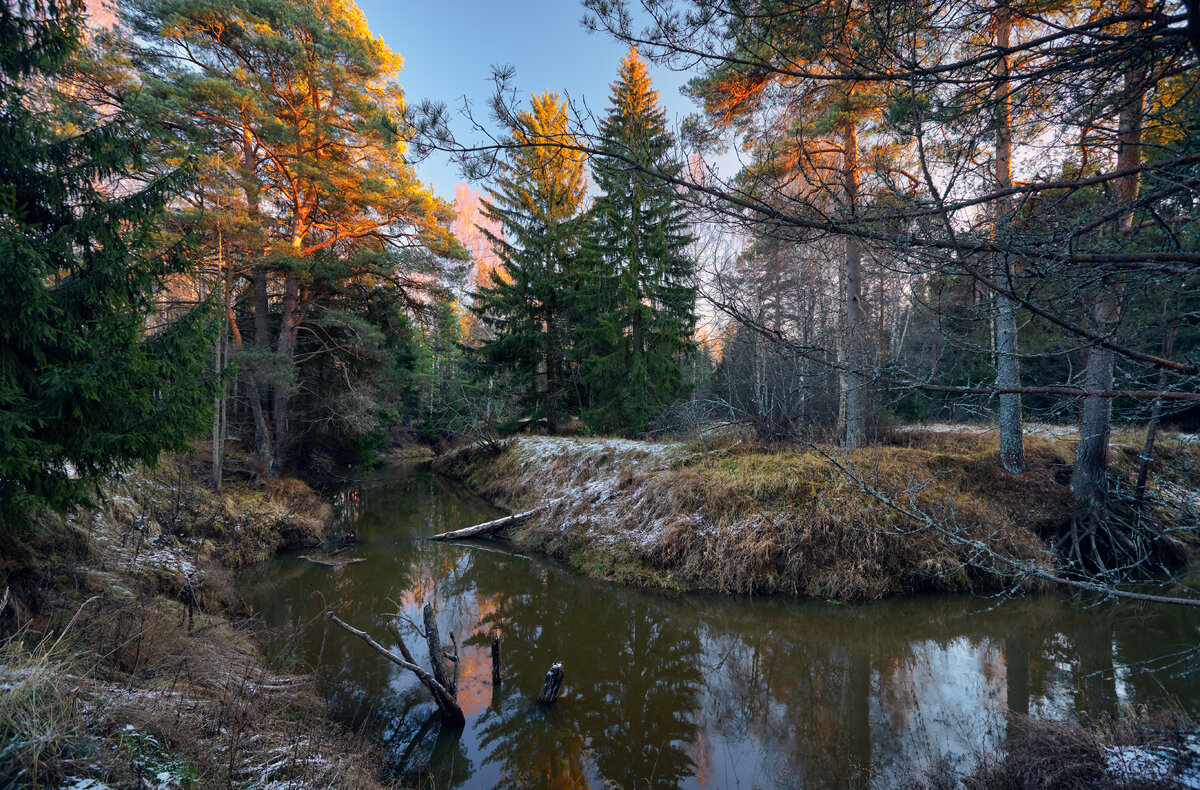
[(538, 202), (637, 291), (85, 388)]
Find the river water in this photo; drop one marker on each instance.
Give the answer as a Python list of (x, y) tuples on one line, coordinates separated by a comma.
[(690, 691)]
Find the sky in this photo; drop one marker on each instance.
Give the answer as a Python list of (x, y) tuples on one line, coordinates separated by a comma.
[(449, 50)]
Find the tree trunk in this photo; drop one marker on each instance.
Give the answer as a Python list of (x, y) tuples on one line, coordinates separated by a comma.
[(487, 528), (1089, 481), (289, 324), (452, 714), (258, 279), (221, 356), (437, 659), (1008, 372), (1139, 493), (854, 379)]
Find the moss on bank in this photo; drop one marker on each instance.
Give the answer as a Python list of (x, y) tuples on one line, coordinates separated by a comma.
[(121, 665), (747, 520)]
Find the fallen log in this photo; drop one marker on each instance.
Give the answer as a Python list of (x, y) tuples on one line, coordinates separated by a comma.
[(487, 528), (331, 561)]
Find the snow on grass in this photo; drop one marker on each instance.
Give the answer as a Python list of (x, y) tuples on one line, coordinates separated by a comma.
[(1030, 429), (581, 477), (1179, 496), (543, 449)]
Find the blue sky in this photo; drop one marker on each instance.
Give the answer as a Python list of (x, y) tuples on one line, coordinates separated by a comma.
[(449, 50)]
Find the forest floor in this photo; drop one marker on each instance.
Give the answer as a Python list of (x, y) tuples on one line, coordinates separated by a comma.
[(929, 509), (129, 661)]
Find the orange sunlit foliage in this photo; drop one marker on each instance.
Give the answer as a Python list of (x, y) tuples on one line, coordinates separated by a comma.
[(471, 226)]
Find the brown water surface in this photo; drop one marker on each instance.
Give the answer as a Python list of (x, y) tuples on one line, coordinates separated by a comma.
[(689, 691)]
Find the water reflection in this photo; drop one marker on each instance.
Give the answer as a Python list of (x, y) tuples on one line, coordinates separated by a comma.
[(690, 691)]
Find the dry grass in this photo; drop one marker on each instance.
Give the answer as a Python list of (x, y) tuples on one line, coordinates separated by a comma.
[(739, 518), (122, 665)]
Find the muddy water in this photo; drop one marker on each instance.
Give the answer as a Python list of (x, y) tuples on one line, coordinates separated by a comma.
[(689, 691)]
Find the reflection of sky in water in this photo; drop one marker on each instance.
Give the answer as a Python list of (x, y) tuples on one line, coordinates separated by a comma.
[(686, 691)]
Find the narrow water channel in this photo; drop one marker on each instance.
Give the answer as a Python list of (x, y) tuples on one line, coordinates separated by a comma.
[(689, 691)]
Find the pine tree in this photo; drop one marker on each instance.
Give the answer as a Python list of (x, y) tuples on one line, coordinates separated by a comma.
[(538, 201), (637, 292), (86, 388), (293, 109)]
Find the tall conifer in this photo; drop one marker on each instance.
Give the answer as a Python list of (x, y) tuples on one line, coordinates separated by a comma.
[(85, 387), (538, 201), (637, 295)]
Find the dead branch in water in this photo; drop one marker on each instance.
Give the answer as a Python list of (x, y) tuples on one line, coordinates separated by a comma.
[(452, 714)]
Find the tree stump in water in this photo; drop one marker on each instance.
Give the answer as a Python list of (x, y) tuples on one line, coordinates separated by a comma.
[(552, 685), (437, 658), (496, 661)]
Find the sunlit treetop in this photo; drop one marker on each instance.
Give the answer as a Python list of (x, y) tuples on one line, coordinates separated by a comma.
[(546, 176), (298, 100)]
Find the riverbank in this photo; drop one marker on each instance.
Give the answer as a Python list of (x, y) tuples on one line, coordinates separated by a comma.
[(797, 521), (127, 660)]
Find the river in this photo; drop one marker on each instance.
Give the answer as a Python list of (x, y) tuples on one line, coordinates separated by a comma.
[(689, 691)]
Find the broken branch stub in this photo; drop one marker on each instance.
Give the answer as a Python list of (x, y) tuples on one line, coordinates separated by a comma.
[(552, 685)]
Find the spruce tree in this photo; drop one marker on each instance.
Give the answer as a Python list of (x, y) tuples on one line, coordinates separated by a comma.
[(86, 388), (637, 291), (538, 201)]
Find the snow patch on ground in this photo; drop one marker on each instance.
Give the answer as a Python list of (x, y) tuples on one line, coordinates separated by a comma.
[(75, 783), (1179, 496), (544, 449), (1181, 767), (1030, 429)]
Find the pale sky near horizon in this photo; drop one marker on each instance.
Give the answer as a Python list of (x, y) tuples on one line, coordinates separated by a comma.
[(449, 50)]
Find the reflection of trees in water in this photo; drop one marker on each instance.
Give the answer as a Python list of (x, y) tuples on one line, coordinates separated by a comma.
[(534, 747), (662, 691), (649, 704), (855, 695), (632, 685)]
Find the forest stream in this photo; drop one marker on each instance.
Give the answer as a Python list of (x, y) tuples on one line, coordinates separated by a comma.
[(695, 691)]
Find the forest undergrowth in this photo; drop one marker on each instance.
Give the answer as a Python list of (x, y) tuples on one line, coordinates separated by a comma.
[(127, 659)]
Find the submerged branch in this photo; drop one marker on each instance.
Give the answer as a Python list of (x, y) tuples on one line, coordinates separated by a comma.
[(451, 713)]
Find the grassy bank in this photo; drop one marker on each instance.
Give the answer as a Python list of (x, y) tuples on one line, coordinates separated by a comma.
[(748, 520), (124, 664)]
